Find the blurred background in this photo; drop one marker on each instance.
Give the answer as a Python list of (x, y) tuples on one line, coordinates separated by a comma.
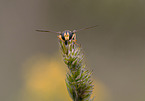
[(31, 66)]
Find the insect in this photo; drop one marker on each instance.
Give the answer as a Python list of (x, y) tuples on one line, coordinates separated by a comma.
[(67, 35)]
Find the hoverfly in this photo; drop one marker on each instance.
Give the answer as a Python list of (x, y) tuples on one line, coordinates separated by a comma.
[(67, 35)]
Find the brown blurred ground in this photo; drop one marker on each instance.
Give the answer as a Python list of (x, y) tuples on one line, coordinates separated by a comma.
[(115, 50)]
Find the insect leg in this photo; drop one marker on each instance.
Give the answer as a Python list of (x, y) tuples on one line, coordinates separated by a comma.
[(74, 39), (59, 36)]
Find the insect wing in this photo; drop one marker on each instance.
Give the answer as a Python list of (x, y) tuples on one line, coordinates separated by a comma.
[(84, 28), (48, 31)]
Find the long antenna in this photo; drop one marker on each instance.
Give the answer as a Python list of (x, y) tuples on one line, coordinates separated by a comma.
[(85, 28), (48, 31)]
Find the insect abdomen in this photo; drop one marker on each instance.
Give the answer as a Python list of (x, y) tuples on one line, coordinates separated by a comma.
[(66, 42)]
